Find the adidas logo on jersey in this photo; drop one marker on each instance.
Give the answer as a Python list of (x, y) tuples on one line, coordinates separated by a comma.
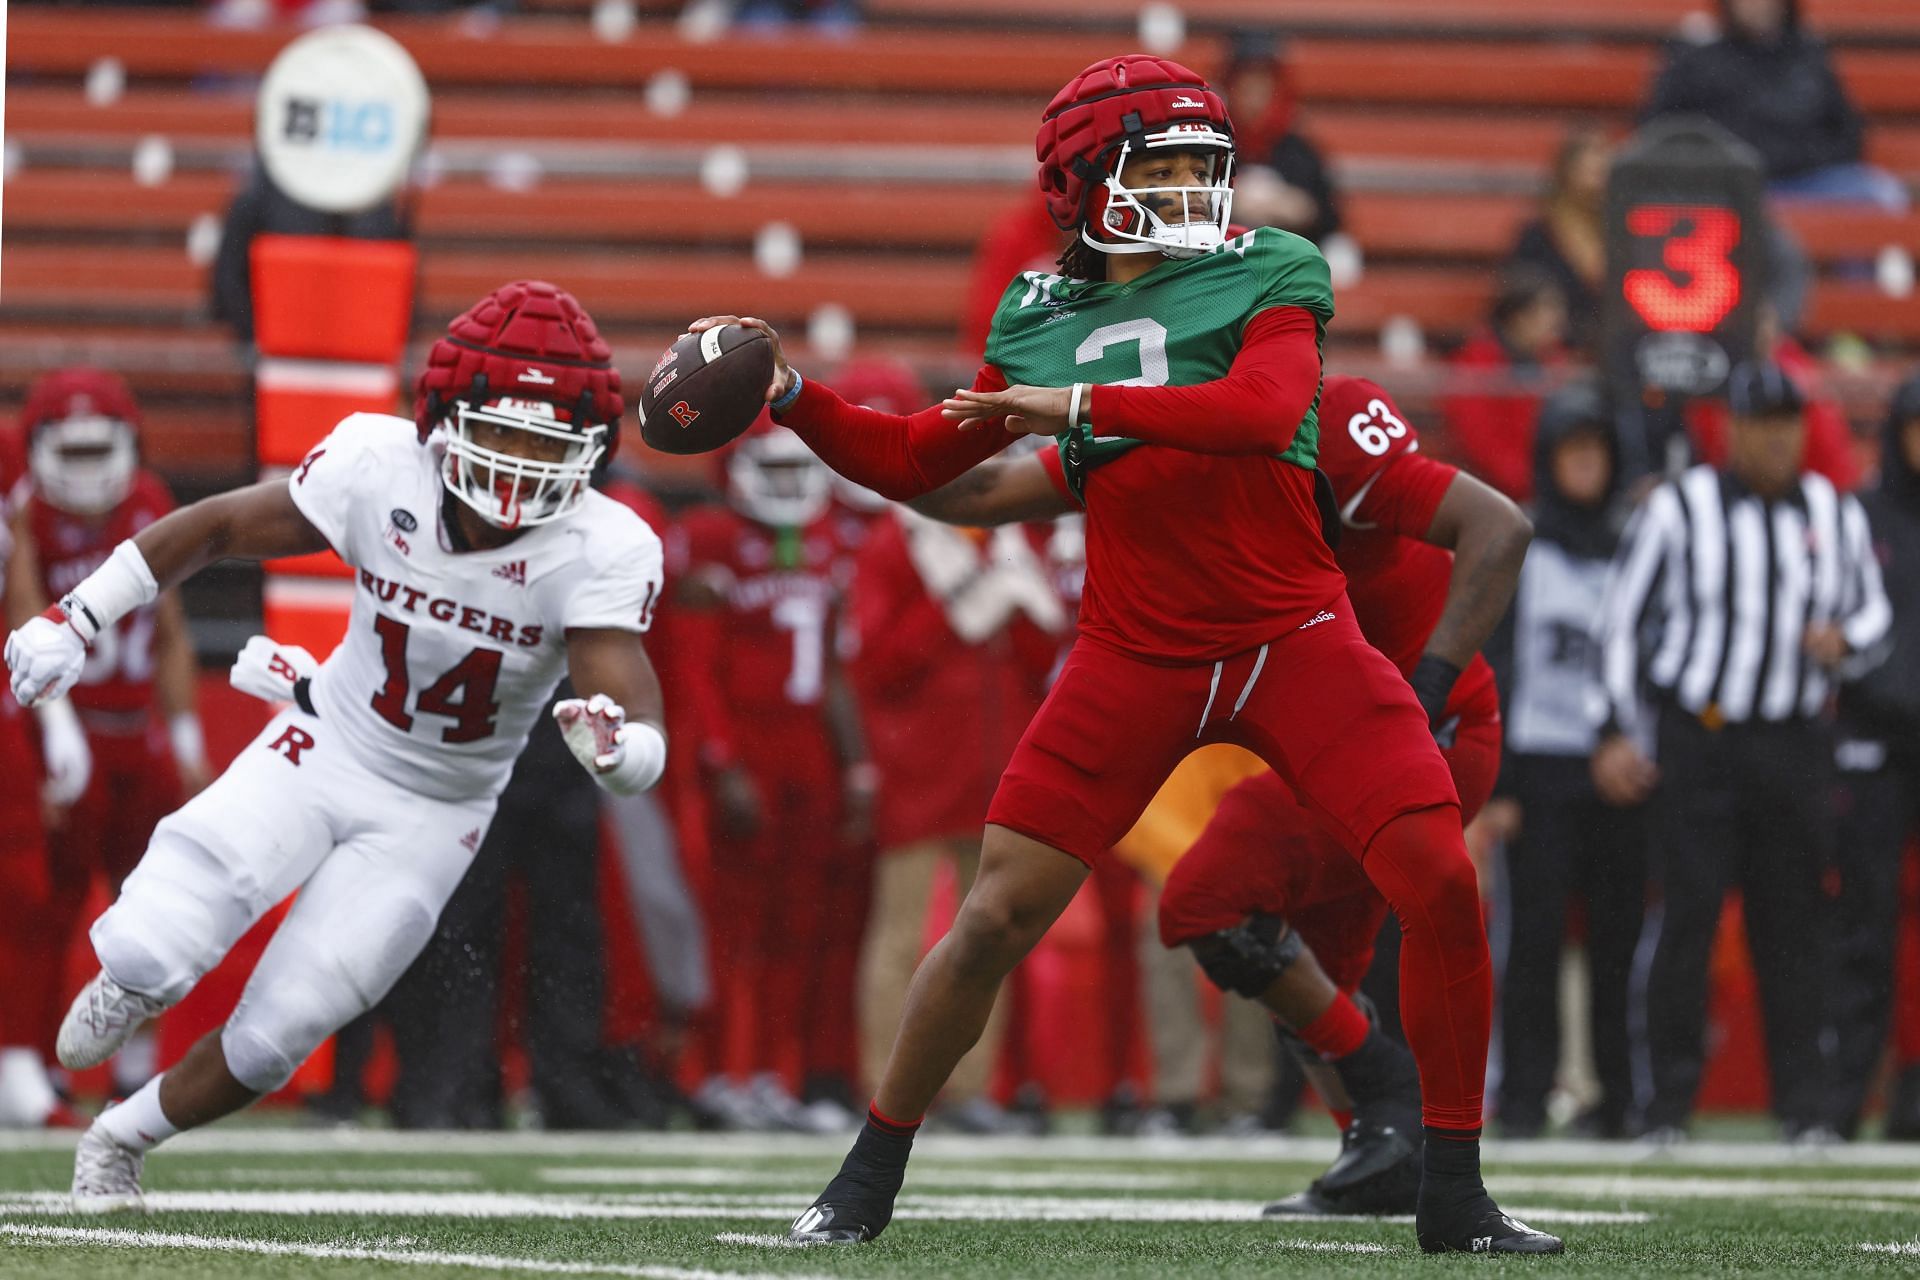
[(471, 841), (514, 571), (1325, 615)]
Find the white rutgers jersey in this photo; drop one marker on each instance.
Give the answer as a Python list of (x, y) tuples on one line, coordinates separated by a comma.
[(450, 656)]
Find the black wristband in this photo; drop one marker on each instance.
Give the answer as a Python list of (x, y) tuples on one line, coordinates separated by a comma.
[(1432, 680)]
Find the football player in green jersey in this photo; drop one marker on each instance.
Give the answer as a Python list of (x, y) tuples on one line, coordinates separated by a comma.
[(1178, 370)]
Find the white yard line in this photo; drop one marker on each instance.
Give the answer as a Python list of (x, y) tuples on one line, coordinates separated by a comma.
[(475, 1204), (1333, 1246), (372, 1177), (763, 1242), (344, 1252), (1669, 1187), (1571, 1217), (1132, 1152), (1904, 1247), (1310, 1246), (1846, 1204), (712, 1176)]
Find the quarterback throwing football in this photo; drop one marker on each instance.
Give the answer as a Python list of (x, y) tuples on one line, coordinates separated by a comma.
[(485, 569), (1178, 370)]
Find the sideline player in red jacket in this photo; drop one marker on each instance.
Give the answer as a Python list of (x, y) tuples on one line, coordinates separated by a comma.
[(27, 1098), (956, 631), (1179, 372), (780, 743), (88, 493)]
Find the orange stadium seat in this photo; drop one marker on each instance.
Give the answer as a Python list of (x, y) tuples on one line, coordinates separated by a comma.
[(1441, 127)]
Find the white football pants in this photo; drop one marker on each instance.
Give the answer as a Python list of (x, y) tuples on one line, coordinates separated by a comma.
[(373, 863)]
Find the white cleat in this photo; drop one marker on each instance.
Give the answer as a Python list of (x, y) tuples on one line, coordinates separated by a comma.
[(106, 1176), (103, 1017), (26, 1095), (781, 1111), (826, 1116)]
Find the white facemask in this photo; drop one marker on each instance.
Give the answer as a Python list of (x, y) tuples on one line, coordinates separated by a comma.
[(1131, 226), (84, 465), (509, 491)]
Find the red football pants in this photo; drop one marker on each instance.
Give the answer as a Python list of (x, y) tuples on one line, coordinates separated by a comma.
[(787, 911), (134, 784), (1334, 718), (25, 970), (1265, 851)]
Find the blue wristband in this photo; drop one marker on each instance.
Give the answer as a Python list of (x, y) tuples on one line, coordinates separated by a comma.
[(792, 393)]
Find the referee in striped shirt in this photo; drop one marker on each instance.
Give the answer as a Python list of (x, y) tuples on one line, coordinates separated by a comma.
[(1739, 595)]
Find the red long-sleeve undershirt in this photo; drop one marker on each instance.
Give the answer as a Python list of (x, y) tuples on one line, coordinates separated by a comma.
[(897, 455), (1254, 409)]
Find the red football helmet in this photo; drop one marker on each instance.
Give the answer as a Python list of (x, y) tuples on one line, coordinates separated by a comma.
[(83, 439), (774, 478), (1112, 111), (526, 358)]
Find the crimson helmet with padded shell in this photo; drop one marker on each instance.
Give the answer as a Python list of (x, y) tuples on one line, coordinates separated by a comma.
[(82, 430), (526, 356), (1114, 109)]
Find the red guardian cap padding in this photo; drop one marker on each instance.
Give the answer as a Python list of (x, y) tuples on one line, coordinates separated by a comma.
[(527, 360), (528, 340), (1101, 108)]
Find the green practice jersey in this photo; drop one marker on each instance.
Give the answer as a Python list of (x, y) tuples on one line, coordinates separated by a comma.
[(1177, 325)]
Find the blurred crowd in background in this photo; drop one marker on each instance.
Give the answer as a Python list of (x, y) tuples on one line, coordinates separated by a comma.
[(845, 679)]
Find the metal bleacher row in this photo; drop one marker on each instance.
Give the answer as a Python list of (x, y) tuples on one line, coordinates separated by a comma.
[(558, 154)]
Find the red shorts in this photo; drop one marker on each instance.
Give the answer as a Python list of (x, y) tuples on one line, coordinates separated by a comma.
[(1264, 851), (1320, 705)]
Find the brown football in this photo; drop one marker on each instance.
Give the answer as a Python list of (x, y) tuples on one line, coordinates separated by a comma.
[(706, 389)]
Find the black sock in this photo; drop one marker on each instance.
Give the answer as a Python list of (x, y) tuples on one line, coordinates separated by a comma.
[(1452, 1157), (882, 1144), (1379, 1070)]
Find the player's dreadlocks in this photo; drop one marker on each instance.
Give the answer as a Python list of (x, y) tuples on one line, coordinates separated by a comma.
[(1081, 261)]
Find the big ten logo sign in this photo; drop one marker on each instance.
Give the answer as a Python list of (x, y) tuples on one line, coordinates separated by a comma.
[(342, 114), (339, 123)]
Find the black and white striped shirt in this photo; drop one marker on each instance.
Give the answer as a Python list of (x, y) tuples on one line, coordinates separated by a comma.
[(1714, 587)]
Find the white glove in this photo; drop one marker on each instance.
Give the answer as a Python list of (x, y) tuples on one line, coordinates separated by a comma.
[(45, 657), (64, 750), (270, 670), (624, 758)]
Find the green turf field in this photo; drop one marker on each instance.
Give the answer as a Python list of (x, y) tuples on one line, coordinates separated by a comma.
[(260, 1202)]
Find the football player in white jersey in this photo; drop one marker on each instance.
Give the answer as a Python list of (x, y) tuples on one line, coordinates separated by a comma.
[(486, 567)]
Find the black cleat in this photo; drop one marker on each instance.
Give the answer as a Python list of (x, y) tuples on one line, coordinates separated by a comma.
[(825, 1223), (1478, 1226), (858, 1204), (1377, 1172)]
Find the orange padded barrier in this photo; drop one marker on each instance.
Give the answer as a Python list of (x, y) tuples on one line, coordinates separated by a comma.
[(311, 613), (329, 298), (297, 402)]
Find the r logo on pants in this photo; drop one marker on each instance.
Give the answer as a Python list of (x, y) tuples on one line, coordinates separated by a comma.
[(291, 742)]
